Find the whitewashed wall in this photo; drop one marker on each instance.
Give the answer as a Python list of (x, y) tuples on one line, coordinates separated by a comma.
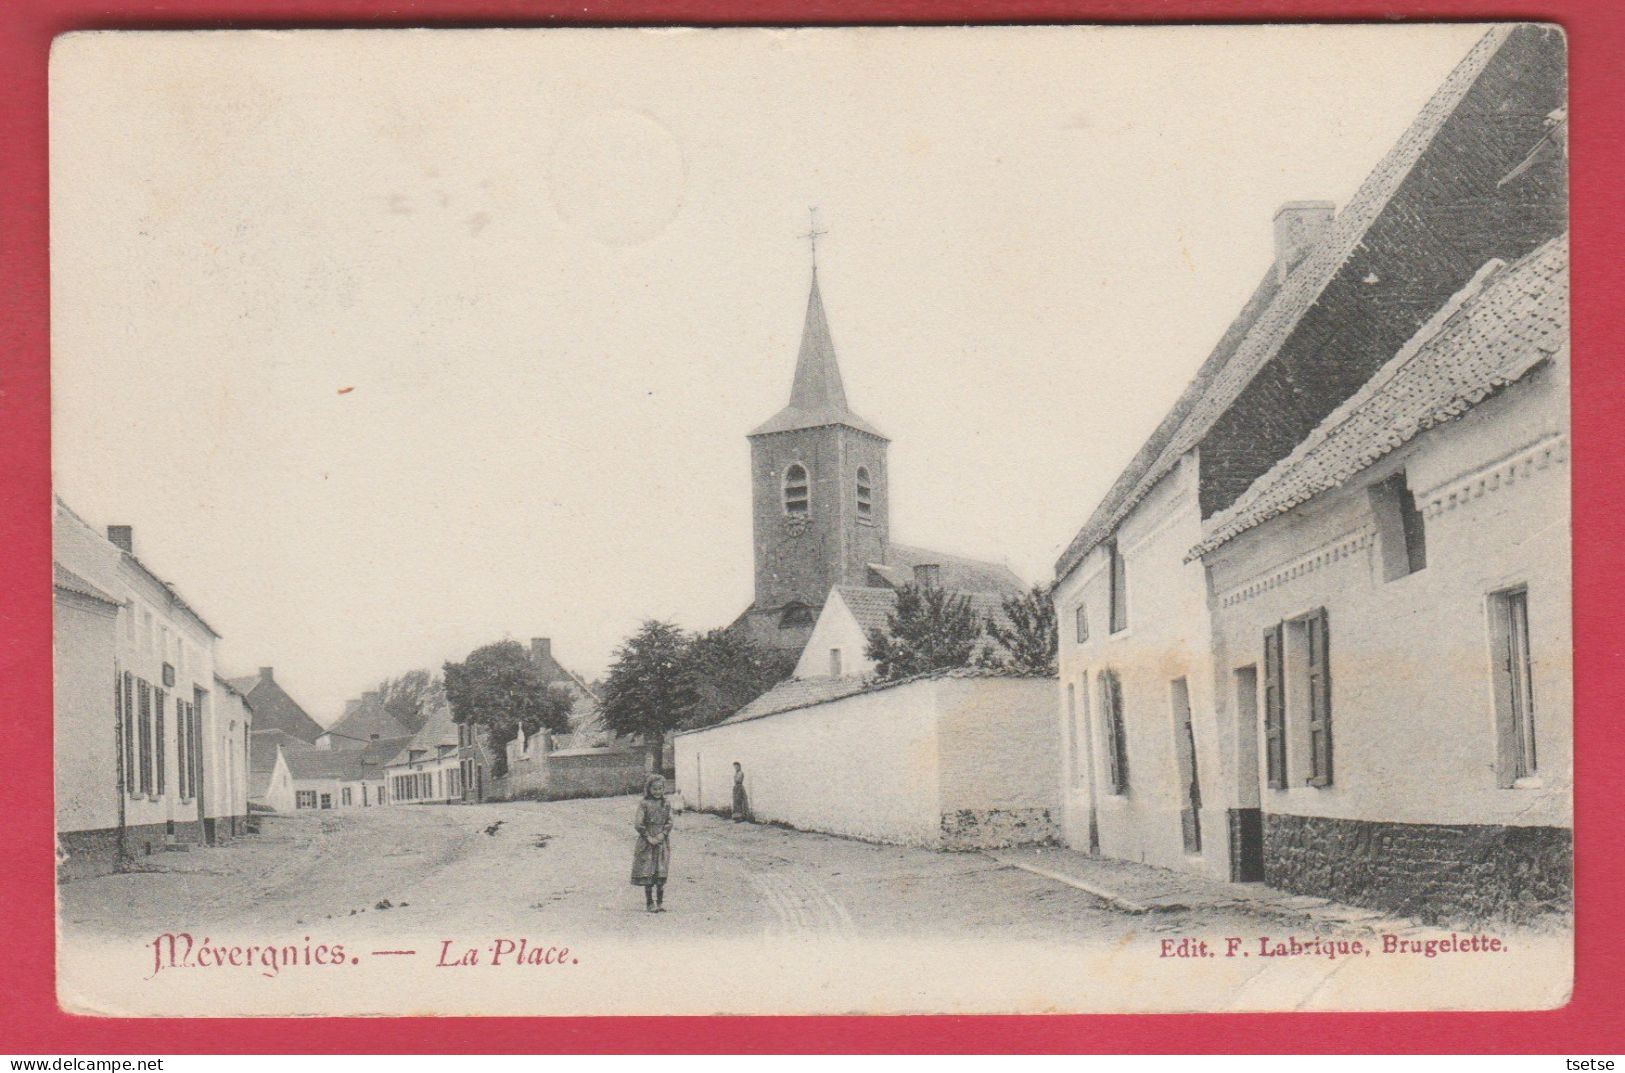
[(865, 766)]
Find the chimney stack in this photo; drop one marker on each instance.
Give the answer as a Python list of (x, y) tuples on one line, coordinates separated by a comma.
[(123, 536), (1298, 226), (265, 674), (927, 574), (541, 649)]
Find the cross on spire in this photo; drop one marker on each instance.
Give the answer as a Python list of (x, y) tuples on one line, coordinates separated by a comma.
[(813, 234)]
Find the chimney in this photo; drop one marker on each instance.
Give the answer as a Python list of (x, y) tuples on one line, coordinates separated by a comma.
[(1298, 226), (927, 574), (541, 649), (123, 536), (265, 674)]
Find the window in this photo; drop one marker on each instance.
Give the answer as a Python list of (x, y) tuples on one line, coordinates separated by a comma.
[(304, 799), (1119, 588), (344, 796), (1190, 781), (1298, 700), (1081, 623), (796, 491), (1111, 711), (1514, 686), (1274, 708), (327, 801), (866, 508), (1401, 538), (835, 663)]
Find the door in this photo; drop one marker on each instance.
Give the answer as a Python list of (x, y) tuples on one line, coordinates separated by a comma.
[(1247, 820), (1190, 785)]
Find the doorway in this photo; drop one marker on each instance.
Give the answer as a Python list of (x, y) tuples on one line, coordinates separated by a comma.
[(1247, 821), (1190, 783)]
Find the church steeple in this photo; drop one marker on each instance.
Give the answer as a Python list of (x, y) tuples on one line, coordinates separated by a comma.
[(817, 395)]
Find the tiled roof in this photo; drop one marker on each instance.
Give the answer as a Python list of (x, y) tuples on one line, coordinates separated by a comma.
[(1273, 324), (870, 606), (439, 729), (817, 396), (797, 693), (956, 572), (1503, 324), (68, 581), (262, 746), (343, 764), (366, 717)]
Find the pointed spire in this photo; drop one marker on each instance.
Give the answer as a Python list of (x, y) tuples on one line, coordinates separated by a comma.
[(817, 386), (817, 396)]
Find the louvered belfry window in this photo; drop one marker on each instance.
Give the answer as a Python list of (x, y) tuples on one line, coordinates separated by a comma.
[(866, 506), (797, 491)]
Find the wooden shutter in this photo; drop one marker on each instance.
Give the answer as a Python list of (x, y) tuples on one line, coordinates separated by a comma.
[(158, 744), (146, 738), (1320, 701), (1274, 708), (1111, 699), (130, 783)]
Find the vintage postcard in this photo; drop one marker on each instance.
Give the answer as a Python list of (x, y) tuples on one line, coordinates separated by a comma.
[(846, 521)]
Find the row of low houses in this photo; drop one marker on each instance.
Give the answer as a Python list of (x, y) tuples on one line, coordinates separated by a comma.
[(151, 743), (1317, 633)]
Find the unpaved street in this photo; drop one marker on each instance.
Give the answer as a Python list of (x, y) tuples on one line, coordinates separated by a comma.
[(564, 865)]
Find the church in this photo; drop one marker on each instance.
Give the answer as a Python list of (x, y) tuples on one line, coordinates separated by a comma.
[(820, 502)]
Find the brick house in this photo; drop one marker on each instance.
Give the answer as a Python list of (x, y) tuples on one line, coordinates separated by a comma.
[(1395, 594), (1158, 767)]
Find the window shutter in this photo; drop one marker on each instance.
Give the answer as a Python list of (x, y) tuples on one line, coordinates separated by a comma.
[(1111, 699), (146, 738), (158, 745), (130, 783), (1274, 709), (1320, 701)]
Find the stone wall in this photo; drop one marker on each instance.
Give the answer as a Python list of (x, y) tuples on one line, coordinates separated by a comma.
[(570, 773), (1438, 873), (83, 854)]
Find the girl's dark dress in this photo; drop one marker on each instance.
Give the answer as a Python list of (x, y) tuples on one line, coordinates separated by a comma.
[(652, 857)]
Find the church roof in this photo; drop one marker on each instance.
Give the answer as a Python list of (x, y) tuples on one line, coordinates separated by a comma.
[(817, 397), (956, 572)]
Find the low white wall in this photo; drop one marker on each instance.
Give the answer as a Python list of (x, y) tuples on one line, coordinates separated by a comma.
[(865, 766)]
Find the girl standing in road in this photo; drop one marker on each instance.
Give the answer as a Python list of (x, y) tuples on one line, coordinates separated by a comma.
[(652, 856)]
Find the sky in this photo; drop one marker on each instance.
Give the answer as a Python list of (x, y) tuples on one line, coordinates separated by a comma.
[(390, 344)]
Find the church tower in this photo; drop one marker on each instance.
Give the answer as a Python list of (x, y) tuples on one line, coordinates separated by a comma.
[(819, 493)]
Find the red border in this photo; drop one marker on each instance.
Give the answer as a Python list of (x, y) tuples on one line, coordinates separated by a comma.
[(29, 1018)]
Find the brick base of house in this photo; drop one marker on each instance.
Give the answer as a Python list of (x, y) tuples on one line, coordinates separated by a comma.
[(85, 854), (971, 829), (1434, 872)]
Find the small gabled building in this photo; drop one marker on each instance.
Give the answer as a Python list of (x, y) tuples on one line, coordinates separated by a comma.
[(428, 769), (274, 708), (838, 645)]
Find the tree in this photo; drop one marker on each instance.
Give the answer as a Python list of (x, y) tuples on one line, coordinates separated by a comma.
[(930, 630), (647, 692), (1027, 640), (406, 698), (725, 670), (498, 688)]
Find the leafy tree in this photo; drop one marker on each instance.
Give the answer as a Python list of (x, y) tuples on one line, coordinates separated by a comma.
[(647, 692), (1026, 642), (725, 670), (407, 698), (498, 688), (930, 630)]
